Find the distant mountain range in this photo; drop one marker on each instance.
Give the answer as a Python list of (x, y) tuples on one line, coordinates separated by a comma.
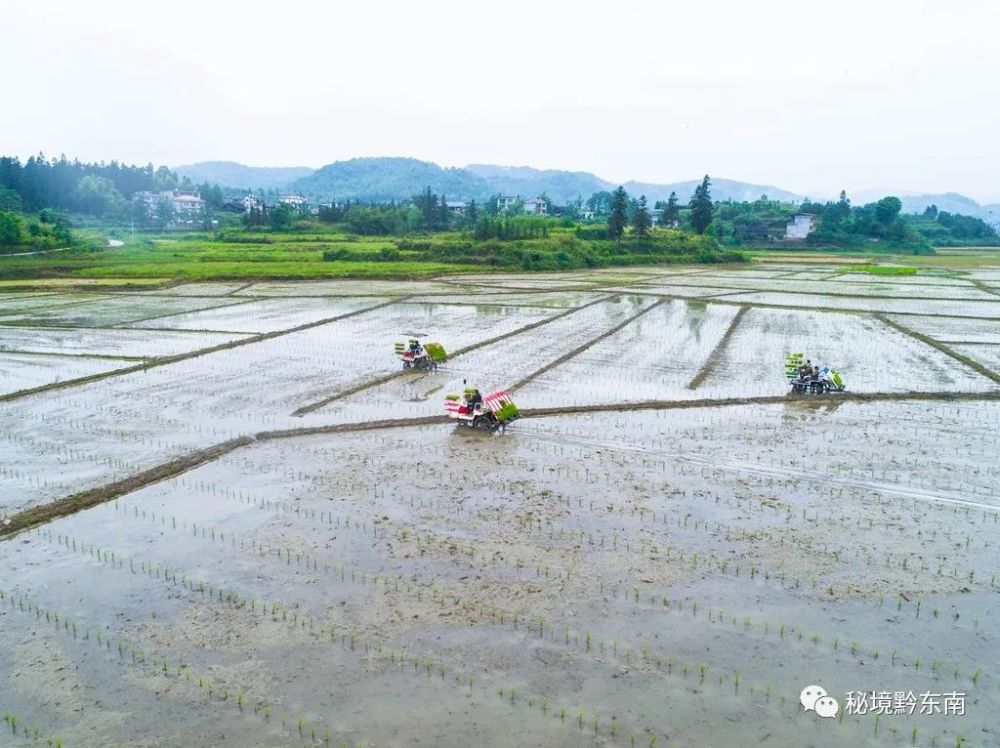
[(238, 176), (383, 179), (951, 202)]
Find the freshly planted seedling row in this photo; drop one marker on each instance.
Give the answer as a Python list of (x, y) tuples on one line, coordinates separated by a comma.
[(741, 623), (289, 615), (219, 694)]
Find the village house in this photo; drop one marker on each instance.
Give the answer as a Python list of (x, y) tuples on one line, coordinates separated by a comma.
[(250, 203), (294, 201), (505, 203), (456, 206), (536, 207), (801, 225), (186, 207)]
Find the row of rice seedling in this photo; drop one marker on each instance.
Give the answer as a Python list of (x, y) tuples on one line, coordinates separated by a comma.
[(640, 595), (761, 571), (672, 665), (243, 697), (291, 615), (23, 728), (339, 481)]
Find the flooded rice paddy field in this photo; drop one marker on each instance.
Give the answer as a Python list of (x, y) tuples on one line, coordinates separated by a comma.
[(283, 544)]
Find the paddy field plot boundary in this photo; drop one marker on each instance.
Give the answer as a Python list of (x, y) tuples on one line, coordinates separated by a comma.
[(938, 345), (41, 514), (166, 360), (311, 407), (706, 370)]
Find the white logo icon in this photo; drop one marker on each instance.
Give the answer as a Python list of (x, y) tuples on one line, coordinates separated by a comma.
[(816, 699)]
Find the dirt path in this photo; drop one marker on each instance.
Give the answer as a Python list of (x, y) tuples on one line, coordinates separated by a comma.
[(580, 349), (726, 300), (311, 407), (38, 515), (165, 360), (938, 345), (709, 366), (127, 325)]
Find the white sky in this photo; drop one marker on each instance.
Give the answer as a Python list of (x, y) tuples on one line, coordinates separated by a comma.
[(808, 96)]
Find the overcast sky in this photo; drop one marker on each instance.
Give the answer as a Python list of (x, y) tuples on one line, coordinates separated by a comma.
[(807, 96)]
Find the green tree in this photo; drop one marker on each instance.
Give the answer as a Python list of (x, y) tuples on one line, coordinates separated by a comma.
[(471, 213), (671, 212), (702, 208), (212, 195), (642, 222), (887, 210), (99, 197), (165, 213), (139, 213), (600, 203), (492, 206), (9, 200), (282, 216), (618, 219), (443, 217), (427, 203), (164, 179), (516, 208), (10, 230), (843, 207)]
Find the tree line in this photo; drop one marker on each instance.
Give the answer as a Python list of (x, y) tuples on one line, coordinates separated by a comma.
[(624, 212)]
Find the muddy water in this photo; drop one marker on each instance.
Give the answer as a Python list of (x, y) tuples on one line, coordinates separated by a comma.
[(497, 366), (669, 577), (350, 504), (22, 371), (264, 316), (106, 342), (870, 356), (114, 310), (105, 430)]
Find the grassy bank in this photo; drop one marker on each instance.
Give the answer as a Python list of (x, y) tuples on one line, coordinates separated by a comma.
[(238, 255)]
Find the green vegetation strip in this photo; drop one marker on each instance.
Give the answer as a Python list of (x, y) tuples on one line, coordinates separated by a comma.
[(164, 360), (970, 362), (580, 349), (709, 366)]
